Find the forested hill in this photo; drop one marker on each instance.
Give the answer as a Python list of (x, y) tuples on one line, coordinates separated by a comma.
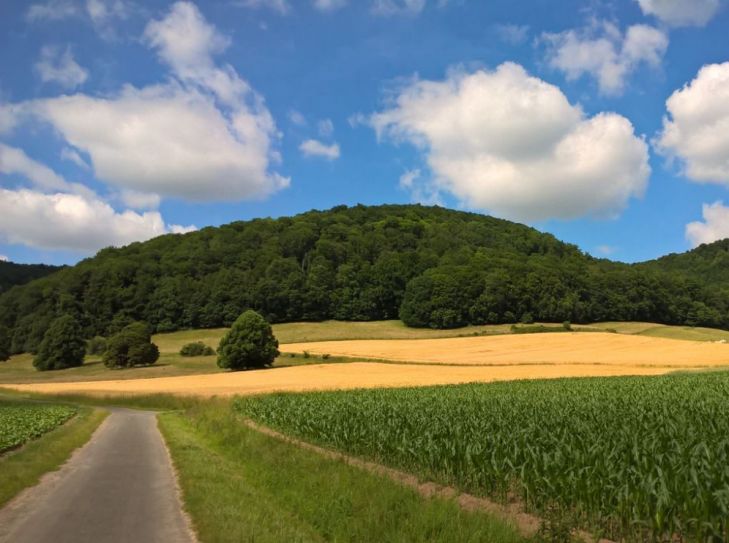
[(12, 274), (428, 265), (709, 262)]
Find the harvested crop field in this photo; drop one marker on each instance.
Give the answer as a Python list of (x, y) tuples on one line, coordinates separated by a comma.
[(554, 348), (447, 361), (330, 377)]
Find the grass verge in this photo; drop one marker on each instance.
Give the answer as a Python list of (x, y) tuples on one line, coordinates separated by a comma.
[(241, 485), (24, 467)]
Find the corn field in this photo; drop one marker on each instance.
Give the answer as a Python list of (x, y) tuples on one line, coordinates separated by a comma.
[(638, 459), (22, 422)]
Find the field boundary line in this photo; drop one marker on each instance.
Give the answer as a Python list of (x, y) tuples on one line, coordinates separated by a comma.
[(526, 524)]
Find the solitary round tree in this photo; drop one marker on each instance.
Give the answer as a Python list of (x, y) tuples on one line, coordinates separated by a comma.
[(4, 343), (249, 343), (63, 346), (132, 346)]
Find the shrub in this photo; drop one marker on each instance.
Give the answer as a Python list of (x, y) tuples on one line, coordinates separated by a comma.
[(96, 345), (132, 346), (4, 343), (63, 346), (527, 318), (567, 325), (197, 348), (249, 343)]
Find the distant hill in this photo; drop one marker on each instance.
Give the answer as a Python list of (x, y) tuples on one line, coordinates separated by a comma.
[(12, 274), (430, 266), (708, 263)]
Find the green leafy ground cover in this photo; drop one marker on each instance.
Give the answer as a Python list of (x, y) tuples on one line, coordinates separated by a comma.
[(20, 422)]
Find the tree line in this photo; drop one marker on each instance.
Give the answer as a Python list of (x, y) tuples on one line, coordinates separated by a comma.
[(429, 266)]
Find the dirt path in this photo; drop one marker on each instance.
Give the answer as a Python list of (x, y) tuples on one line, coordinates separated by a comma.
[(119, 487)]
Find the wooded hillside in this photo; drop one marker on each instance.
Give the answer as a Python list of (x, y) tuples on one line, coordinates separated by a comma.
[(427, 265)]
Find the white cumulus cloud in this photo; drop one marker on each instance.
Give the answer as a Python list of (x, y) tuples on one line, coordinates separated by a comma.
[(681, 12), (604, 52), (204, 136), (696, 128), (714, 227), (14, 161), (72, 221), (4, 258), (57, 65), (511, 144), (315, 148)]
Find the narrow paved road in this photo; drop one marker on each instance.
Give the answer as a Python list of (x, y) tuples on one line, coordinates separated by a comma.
[(120, 487)]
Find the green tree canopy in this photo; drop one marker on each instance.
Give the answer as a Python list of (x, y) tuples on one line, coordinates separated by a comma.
[(432, 266), (132, 346), (63, 345), (4, 343), (249, 343)]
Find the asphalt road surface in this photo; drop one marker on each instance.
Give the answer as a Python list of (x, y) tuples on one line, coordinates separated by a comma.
[(119, 487)]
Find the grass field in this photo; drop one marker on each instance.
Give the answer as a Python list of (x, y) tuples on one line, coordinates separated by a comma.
[(241, 485), (643, 459), (20, 369)]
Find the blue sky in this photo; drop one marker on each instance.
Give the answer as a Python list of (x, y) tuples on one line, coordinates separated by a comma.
[(602, 122)]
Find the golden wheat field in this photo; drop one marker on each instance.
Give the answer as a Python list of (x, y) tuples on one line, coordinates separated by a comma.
[(561, 348), (328, 377), (439, 361)]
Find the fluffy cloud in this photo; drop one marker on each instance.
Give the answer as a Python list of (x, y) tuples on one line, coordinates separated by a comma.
[(329, 5), (72, 221), (697, 125), (605, 53), (408, 178), (315, 148), (681, 12), (71, 155), (509, 143), (3, 258), (397, 7), (204, 136), (58, 66), (14, 161), (714, 227)]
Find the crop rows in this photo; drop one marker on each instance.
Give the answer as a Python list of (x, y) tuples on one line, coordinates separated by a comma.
[(22, 422), (628, 458)]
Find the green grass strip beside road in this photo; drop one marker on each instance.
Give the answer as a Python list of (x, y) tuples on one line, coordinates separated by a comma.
[(241, 485), (24, 467)]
